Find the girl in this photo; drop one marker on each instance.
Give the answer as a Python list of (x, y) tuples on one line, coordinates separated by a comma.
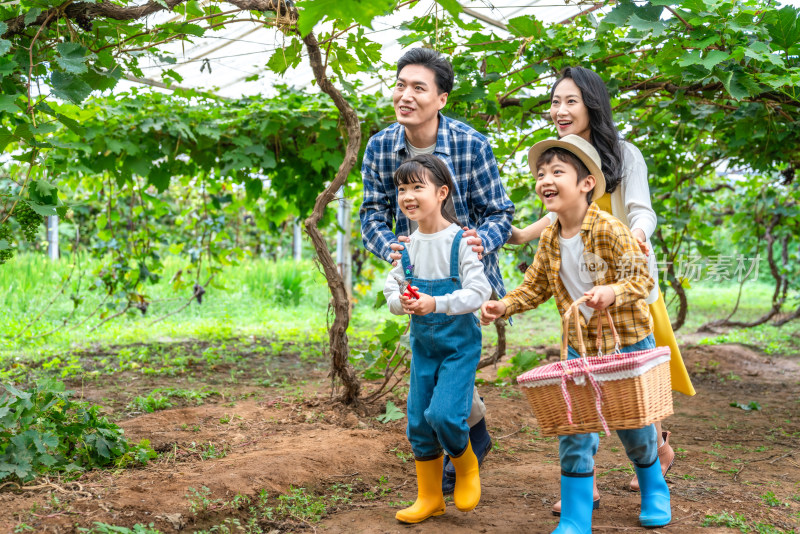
[(579, 104), (445, 336)]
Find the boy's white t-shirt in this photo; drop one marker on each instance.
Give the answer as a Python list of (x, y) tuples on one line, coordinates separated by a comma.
[(430, 256), (572, 266)]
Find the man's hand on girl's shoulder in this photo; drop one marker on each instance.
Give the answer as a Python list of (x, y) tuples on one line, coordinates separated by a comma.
[(398, 248), (475, 240)]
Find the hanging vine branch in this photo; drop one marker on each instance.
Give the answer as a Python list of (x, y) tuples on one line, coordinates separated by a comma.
[(84, 12), (337, 334)]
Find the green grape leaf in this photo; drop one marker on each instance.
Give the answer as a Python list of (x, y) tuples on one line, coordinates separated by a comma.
[(72, 57), (784, 28), (451, 6), (284, 58), (527, 26), (253, 187), (31, 16), (69, 87), (393, 413), (7, 103), (362, 12)]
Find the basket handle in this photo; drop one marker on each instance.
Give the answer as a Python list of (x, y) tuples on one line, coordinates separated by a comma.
[(600, 333), (572, 310)]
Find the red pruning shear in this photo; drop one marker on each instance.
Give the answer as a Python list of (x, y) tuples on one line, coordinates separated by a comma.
[(405, 287)]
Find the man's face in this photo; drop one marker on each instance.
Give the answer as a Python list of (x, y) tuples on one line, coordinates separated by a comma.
[(416, 97)]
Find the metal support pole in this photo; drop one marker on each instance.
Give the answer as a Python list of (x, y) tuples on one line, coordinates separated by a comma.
[(297, 241), (343, 257), (52, 237)]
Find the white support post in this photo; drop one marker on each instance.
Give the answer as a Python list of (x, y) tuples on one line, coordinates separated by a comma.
[(52, 237), (297, 241), (344, 259)]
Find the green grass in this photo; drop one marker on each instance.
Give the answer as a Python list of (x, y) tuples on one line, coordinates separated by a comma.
[(285, 302)]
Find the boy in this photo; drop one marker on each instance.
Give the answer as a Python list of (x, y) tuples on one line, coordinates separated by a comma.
[(568, 179)]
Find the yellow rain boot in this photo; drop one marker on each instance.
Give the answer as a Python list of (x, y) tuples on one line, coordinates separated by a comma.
[(468, 481), (430, 500)]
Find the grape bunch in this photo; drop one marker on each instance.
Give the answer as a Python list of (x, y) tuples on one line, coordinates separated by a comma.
[(29, 221), (5, 234)]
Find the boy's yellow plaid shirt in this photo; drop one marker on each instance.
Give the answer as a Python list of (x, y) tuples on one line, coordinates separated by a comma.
[(626, 271)]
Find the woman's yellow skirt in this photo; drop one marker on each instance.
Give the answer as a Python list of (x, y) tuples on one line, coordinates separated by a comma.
[(665, 337)]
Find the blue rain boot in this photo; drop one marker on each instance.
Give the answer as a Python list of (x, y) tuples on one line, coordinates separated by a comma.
[(656, 511), (576, 503), (481, 445)]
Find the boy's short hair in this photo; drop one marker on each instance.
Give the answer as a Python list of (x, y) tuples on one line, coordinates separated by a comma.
[(433, 60), (565, 156)]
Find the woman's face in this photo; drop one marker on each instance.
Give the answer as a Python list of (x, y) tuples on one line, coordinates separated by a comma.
[(569, 113)]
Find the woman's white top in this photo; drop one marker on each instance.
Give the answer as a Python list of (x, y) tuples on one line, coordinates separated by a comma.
[(430, 256), (630, 203)]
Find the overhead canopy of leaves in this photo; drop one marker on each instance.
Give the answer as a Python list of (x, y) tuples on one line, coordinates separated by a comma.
[(696, 85)]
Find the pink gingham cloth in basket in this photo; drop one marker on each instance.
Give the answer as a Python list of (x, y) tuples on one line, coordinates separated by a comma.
[(611, 367), (595, 369)]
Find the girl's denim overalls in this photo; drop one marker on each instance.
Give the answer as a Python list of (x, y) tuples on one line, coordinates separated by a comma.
[(445, 352)]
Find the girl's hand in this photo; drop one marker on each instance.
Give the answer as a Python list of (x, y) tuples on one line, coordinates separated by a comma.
[(491, 310), (423, 306), (474, 240), (602, 297), (638, 234), (396, 255)]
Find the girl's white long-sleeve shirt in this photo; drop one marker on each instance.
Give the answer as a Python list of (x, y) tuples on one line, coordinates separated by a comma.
[(430, 256)]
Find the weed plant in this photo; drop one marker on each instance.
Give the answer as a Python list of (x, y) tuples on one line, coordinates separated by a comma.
[(44, 430)]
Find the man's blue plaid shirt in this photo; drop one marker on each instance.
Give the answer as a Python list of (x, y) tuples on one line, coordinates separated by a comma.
[(480, 200)]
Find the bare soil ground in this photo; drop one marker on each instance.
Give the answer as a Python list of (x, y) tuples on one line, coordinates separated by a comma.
[(279, 438)]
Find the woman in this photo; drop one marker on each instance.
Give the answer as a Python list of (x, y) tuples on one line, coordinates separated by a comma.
[(579, 104)]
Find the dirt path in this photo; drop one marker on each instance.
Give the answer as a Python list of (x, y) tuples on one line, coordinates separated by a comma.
[(729, 460)]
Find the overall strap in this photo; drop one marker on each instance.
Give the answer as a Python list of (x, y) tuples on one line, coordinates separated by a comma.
[(454, 255), (406, 261)]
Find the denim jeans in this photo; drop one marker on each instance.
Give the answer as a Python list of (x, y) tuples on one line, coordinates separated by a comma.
[(577, 450), (445, 351)]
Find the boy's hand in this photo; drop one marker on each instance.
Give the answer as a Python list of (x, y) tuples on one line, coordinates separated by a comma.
[(396, 255), (423, 306), (491, 310), (602, 297), (474, 240)]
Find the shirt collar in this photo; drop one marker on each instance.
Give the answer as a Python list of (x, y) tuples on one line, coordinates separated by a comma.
[(442, 137), (590, 218), (586, 226)]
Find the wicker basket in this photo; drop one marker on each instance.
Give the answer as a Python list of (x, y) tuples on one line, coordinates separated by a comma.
[(635, 388)]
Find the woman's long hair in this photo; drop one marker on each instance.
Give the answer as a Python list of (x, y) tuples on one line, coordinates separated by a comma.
[(603, 133)]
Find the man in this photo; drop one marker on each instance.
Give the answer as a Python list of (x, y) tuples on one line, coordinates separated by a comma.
[(424, 80)]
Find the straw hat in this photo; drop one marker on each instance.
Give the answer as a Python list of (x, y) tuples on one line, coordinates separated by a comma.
[(579, 146)]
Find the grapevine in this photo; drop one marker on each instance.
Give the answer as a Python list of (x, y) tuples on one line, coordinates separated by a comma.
[(5, 234), (29, 220)]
